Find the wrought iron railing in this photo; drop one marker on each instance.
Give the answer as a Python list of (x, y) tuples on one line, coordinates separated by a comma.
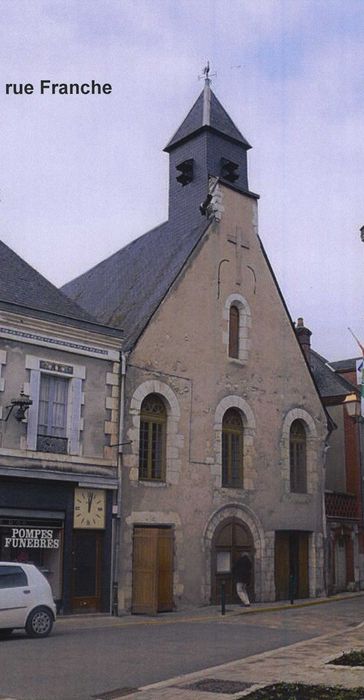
[(342, 505), (51, 443)]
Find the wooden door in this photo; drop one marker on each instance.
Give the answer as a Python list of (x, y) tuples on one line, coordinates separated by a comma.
[(231, 540), (302, 574), (152, 570), (86, 571), (281, 565), (291, 559)]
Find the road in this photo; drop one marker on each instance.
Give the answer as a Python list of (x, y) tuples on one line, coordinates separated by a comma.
[(90, 657)]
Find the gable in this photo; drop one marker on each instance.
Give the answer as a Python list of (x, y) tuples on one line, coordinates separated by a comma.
[(190, 327)]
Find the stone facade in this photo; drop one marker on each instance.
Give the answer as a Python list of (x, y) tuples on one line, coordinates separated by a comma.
[(42, 475), (213, 381), (182, 356)]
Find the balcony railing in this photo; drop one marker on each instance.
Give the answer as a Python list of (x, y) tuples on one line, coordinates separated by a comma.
[(342, 505), (51, 443)]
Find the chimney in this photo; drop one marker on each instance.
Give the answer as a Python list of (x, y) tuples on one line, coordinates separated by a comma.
[(304, 335)]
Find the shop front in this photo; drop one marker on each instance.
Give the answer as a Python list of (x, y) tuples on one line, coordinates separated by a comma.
[(65, 530), (35, 541)]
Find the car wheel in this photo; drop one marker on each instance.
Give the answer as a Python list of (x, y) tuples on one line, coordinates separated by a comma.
[(39, 623), (5, 633)]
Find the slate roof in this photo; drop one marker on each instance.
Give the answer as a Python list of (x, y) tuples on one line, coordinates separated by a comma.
[(22, 285), (348, 365), (125, 289), (329, 383), (217, 120)]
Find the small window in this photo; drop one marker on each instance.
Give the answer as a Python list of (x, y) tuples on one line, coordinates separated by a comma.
[(152, 442), (297, 456), (52, 416), (12, 577), (232, 449), (234, 331)]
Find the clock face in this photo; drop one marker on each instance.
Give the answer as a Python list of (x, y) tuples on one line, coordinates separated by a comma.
[(89, 509)]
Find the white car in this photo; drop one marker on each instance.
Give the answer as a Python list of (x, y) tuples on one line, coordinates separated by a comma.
[(26, 600)]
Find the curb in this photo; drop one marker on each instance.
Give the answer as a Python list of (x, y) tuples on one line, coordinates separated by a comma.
[(203, 614)]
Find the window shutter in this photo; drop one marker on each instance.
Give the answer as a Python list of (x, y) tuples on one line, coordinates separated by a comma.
[(75, 416), (32, 427)]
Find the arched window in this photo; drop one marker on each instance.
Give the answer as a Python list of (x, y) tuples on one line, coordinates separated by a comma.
[(297, 457), (234, 331), (152, 442), (232, 449)]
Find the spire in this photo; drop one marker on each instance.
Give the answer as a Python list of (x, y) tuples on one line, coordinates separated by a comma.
[(206, 110), (207, 114), (207, 144)]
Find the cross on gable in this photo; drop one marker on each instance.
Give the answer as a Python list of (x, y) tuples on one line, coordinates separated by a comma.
[(237, 239)]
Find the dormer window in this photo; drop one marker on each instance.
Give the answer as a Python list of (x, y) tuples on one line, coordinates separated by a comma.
[(185, 172), (229, 171)]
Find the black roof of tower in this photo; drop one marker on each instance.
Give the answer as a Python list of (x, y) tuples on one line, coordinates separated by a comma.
[(207, 113)]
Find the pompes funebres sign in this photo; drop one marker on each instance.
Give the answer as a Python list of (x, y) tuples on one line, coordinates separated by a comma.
[(32, 538)]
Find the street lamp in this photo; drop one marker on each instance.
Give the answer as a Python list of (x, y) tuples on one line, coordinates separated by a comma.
[(21, 403), (352, 404)]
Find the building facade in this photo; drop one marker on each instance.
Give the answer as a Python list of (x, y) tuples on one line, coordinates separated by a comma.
[(223, 426), (59, 399), (338, 387)]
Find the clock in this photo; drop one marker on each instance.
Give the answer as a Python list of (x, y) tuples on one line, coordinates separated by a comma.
[(89, 509)]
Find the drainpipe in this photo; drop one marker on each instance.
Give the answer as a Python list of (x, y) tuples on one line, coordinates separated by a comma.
[(117, 540)]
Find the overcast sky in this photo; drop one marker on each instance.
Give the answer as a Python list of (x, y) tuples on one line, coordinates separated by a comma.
[(81, 176)]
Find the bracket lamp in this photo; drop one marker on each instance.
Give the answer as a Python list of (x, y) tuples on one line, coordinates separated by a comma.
[(353, 406), (22, 404)]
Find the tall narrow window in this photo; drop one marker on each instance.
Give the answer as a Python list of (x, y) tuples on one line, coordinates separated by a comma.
[(232, 449), (234, 331), (297, 456), (152, 443), (52, 415)]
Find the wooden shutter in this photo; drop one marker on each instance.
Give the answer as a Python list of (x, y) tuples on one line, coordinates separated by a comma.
[(75, 416), (32, 427)]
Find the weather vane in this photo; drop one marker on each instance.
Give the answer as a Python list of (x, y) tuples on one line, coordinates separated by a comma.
[(206, 74)]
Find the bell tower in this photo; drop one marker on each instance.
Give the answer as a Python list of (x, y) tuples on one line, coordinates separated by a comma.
[(207, 143)]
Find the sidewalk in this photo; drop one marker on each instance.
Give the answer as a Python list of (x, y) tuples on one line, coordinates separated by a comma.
[(305, 662), (208, 612)]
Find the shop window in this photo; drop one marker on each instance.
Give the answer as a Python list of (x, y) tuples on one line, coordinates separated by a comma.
[(12, 577), (152, 442), (234, 331), (52, 414), (232, 449), (297, 457)]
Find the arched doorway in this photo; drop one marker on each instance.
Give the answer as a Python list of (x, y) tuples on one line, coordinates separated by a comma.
[(231, 541)]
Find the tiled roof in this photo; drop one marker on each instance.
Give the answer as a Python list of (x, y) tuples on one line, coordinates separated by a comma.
[(328, 382), (125, 289), (22, 285), (217, 120)]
